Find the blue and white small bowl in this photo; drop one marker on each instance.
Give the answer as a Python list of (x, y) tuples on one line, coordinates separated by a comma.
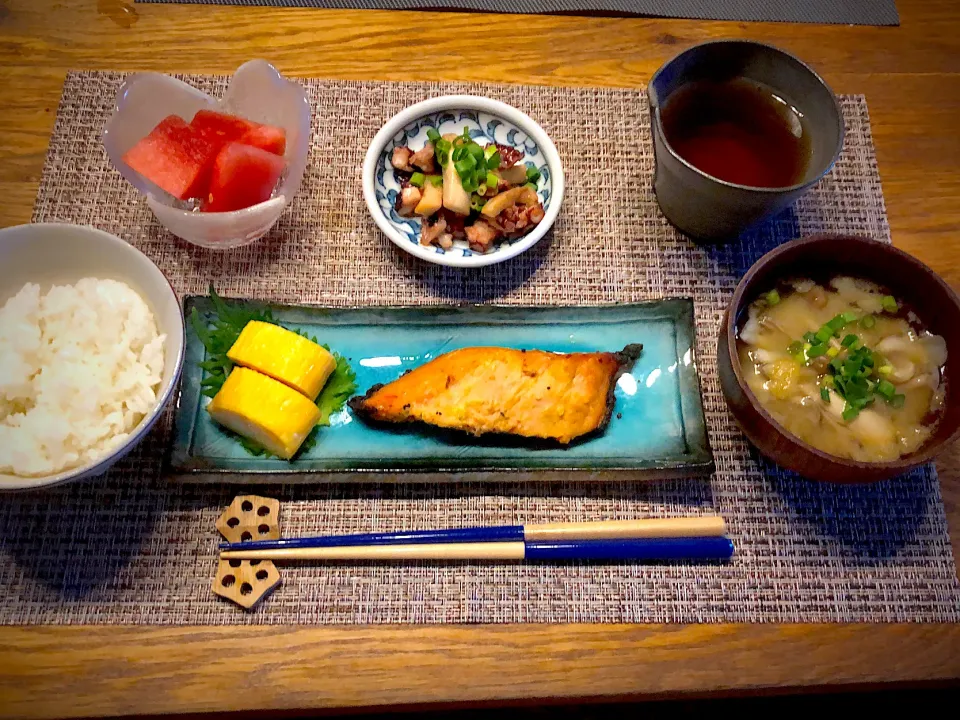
[(487, 121)]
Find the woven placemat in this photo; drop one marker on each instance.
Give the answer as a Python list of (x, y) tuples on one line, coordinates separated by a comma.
[(844, 12), (134, 547)]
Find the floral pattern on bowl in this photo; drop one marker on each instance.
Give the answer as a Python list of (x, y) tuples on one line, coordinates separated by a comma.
[(487, 121)]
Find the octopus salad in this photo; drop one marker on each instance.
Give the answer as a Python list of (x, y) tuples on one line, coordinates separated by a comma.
[(462, 190)]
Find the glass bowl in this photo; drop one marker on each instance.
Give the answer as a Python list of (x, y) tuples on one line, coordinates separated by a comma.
[(256, 92)]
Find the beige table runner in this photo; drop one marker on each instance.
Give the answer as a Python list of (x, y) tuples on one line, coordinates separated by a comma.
[(133, 547)]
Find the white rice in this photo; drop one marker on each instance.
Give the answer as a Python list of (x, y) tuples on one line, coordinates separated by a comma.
[(79, 369)]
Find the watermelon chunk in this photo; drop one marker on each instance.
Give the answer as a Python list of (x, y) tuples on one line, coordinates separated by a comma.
[(175, 158), (220, 126), (230, 128), (267, 137), (242, 176)]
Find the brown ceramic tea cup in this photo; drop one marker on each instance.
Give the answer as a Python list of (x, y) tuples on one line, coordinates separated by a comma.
[(722, 163)]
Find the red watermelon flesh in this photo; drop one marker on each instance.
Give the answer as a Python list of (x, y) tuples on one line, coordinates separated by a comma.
[(220, 126), (266, 137), (230, 128), (175, 158), (242, 176)]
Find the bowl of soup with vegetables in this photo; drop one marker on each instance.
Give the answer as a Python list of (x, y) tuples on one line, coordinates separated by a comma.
[(836, 355)]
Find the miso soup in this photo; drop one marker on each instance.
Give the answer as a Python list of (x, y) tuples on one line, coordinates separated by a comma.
[(844, 366)]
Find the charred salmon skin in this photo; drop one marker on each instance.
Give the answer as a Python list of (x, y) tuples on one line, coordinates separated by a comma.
[(481, 390)]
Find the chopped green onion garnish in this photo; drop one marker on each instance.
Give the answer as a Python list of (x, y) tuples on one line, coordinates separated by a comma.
[(868, 321), (441, 149), (889, 303), (823, 334), (465, 167), (885, 369), (898, 400), (477, 203), (816, 351), (825, 394), (833, 352), (809, 337), (433, 136), (492, 157), (435, 180), (836, 324), (533, 175), (417, 179), (492, 181), (531, 186), (850, 412), (773, 297), (795, 347), (849, 341), (886, 389), (848, 316), (827, 381)]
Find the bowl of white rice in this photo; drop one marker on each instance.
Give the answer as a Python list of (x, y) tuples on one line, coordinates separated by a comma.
[(91, 348)]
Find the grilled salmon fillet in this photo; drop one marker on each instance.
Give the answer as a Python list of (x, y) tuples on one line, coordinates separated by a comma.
[(482, 390)]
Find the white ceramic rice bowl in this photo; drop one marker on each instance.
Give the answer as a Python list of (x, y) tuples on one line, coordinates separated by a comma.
[(49, 254)]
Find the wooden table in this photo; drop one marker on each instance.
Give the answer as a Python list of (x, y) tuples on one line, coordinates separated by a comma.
[(911, 77)]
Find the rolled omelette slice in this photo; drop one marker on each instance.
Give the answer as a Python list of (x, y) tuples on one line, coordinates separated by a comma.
[(265, 410), (480, 390), (284, 356)]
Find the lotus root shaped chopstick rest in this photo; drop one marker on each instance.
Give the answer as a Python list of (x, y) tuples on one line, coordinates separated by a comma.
[(247, 582), (250, 517)]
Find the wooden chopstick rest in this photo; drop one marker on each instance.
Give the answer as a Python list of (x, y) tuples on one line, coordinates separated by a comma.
[(250, 517), (247, 582)]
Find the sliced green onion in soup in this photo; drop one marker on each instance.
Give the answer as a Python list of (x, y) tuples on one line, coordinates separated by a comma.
[(886, 389)]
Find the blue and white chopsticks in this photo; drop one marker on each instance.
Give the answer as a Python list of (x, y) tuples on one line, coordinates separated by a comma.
[(699, 538)]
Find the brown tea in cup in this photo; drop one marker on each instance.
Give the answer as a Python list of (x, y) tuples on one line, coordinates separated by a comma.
[(738, 130)]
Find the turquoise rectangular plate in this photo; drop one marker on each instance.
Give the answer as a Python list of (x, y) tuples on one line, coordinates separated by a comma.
[(657, 428)]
